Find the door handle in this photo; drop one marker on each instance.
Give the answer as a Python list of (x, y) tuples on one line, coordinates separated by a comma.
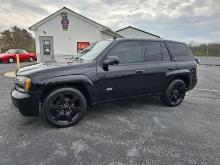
[(139, 71), (171, 68)]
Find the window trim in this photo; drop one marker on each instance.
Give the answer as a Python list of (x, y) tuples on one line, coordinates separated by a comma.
[(171, 59)]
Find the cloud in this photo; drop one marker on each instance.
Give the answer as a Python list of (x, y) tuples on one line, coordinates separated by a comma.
[(182, 20)]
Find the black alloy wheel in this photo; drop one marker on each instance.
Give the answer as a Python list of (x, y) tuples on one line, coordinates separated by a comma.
[(64, 107), (175, 93)]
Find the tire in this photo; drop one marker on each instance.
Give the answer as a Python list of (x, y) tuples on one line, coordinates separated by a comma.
[(64, 107), (10, 60), (31, 59), (175, 93)]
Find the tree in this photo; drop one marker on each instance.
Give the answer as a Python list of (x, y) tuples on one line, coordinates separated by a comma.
[(204, 49), (17, 38)]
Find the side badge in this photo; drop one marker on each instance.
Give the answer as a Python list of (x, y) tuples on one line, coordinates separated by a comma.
[(109, 89)]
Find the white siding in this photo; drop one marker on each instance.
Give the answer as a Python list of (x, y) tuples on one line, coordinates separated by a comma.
[(105, 36), (133, 33), (65, 42)]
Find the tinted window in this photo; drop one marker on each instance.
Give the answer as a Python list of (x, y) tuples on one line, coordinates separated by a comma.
[(19, 51), (166, 55), (127, 52), (181, 51), (153, 52), (12, 51), (23, 51)]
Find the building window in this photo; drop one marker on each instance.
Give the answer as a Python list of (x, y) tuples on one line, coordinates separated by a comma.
[(46, 47)]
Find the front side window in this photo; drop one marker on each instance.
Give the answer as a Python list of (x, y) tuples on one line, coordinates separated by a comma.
[(12, 51), (127, 52), (152, 51)]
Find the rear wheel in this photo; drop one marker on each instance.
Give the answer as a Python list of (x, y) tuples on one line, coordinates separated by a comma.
[(175, 93), (31, 59), (10, 60), (64, 107)]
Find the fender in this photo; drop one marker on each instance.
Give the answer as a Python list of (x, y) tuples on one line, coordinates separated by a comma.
[(70, 79), (178, 72), (67, 79)]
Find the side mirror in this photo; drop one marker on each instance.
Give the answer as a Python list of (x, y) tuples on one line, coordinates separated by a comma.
[(111, 60)]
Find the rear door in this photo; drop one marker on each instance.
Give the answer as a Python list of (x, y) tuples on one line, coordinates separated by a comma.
[(157, 63)]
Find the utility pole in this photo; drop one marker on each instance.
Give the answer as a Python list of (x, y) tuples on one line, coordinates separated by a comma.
[(207, 51)]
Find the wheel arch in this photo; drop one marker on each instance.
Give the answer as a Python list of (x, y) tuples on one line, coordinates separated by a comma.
[(185, 78), (79, 86), (79, 82), (183, 74), (11, 57)]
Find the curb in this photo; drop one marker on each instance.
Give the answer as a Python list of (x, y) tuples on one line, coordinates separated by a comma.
[(210, 65)]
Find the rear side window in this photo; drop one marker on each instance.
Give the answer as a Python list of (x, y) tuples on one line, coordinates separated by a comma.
[(127, 52), (152, 52), (181, 52)]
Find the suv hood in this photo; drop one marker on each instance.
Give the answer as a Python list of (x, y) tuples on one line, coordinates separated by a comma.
[(27, 70), (46, 70)]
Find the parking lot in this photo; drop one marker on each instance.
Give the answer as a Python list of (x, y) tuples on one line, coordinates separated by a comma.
[(134, 131)]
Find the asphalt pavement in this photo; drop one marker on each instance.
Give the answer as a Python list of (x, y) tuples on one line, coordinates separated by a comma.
[(134, 131)]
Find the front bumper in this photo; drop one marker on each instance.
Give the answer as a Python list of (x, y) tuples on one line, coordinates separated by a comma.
[(193, 83), (27, 105)]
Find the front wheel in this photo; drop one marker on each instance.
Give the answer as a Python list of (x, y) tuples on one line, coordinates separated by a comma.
[(10, 60), (175, 93), (64, 107)]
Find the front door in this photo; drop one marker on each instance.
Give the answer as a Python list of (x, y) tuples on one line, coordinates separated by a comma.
[(46, 48), (126, 78)]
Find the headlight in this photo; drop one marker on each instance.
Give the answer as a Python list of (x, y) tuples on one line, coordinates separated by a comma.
[(23, 82)]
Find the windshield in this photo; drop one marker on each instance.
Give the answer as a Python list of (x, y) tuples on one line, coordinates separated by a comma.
[(11, 51), (93, 50)]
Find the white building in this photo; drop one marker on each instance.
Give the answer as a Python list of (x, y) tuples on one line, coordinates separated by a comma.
[(131, 32), (64, 33)]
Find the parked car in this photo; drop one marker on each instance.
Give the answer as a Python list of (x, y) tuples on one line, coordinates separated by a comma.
[(10, 56), (107, 70)]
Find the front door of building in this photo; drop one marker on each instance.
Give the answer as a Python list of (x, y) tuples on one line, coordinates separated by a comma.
[(46, 48)]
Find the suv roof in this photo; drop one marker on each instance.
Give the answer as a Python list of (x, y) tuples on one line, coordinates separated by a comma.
[(142, 39)]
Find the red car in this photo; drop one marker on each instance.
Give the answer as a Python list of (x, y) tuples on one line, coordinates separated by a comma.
[(10, 56)]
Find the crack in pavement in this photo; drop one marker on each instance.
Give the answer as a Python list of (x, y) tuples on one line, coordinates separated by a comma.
[(203, 97)]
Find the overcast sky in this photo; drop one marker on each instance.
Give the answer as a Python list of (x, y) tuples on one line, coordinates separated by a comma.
[(183, 20)]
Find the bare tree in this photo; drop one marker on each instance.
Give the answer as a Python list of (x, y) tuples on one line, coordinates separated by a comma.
[(17, 38)]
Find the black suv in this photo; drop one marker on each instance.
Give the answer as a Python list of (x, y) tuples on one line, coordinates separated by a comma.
[(106, 70)]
